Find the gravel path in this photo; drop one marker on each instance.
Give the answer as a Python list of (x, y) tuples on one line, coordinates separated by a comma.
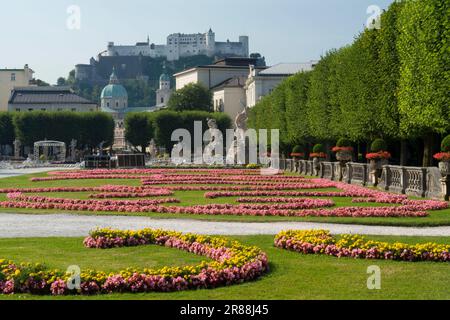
[(66, 225), (7, 173)]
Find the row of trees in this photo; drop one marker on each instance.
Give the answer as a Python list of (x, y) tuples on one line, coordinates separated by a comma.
[(392, 82), (89, 129), (141, 128)]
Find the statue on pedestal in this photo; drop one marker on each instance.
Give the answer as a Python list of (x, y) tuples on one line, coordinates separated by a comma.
[(17, 146), (73, 145)]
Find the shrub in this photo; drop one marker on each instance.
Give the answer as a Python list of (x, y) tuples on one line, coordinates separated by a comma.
[(378, 145), (298, 149), (445, 146), (343, 142), (318, 148)]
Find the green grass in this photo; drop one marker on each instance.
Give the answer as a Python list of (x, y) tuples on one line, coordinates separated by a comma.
[(292, 275), (188, 198)]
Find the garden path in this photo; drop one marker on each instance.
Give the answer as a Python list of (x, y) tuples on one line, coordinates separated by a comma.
[(67, 225)]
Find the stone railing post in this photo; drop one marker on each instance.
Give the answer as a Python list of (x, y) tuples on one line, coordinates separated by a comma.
[(386, 178), (445, 186), (349, 173), (404, 179), (365, 179), (424, 182)]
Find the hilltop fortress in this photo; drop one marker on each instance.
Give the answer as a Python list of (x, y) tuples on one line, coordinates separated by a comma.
[(183, 45)]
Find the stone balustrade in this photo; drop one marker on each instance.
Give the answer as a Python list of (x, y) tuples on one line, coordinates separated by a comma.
[(414, 181)]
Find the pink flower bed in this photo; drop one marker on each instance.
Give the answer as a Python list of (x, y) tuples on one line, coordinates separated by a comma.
[(214, 195), (257, 195), (233, 263)]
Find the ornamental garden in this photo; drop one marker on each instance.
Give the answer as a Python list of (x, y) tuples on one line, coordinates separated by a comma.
[(364, 145), (145, 263)]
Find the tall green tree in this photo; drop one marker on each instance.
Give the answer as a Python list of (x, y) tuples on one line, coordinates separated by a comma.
[(6, 128), (139, 130), (424, 85), (297, 125), (191, 97)]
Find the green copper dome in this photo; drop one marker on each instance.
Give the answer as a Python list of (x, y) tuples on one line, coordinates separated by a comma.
[(114, 89), (164, 77)]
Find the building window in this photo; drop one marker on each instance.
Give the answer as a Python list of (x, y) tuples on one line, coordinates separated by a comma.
[(107, 104), (162, 100), (117, 104), (31, 109), (13, 77), (18, 109)]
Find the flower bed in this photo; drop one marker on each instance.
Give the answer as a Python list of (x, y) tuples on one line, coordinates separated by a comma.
[(355, 246), (442, 156), (381, 155), (232, 263), (257, 195)]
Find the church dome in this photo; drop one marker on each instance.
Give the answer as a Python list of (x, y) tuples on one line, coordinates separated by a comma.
[(114, 90), (164, 77)]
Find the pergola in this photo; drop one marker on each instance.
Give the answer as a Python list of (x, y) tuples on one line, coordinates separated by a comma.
[(58, 149)]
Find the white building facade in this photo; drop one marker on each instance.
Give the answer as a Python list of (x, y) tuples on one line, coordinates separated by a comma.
[(229, 97), (262, 82), (183, 45)]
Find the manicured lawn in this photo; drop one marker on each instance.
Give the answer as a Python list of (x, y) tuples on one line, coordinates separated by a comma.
[(436, 218), (292, 275)]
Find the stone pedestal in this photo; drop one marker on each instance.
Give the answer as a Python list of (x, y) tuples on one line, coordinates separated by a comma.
[(316, 166), (376, 169)]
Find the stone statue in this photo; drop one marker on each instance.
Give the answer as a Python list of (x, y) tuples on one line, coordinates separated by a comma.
[(17, 145), (153, 149), (73, 145), (212, 123), (241, 119), (100, 147)]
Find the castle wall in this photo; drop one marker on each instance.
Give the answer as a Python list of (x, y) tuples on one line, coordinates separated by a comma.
[(184, 45)]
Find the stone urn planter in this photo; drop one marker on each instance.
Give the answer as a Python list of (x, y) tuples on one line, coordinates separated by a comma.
[(344, 154), (297, 156), (444, 168), (316, 160), (376, 162), (344, 157)]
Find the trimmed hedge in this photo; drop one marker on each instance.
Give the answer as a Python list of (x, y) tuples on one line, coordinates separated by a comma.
[(391, 82), (445, 145), (89, 129), (378, 145), (343, 142), (165, 122), (318, 148)]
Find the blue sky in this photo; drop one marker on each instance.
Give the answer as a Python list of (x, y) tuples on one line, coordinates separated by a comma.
[(35, 32)]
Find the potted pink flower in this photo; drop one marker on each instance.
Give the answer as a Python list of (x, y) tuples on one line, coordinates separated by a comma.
[(378, 157), (444, 157), (318, 155), (344, 154)]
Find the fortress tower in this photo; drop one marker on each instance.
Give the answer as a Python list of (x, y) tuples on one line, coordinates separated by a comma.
[(210, 43)]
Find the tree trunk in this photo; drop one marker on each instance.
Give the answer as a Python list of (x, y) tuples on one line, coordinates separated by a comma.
[(403, 153), (428, 142)]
